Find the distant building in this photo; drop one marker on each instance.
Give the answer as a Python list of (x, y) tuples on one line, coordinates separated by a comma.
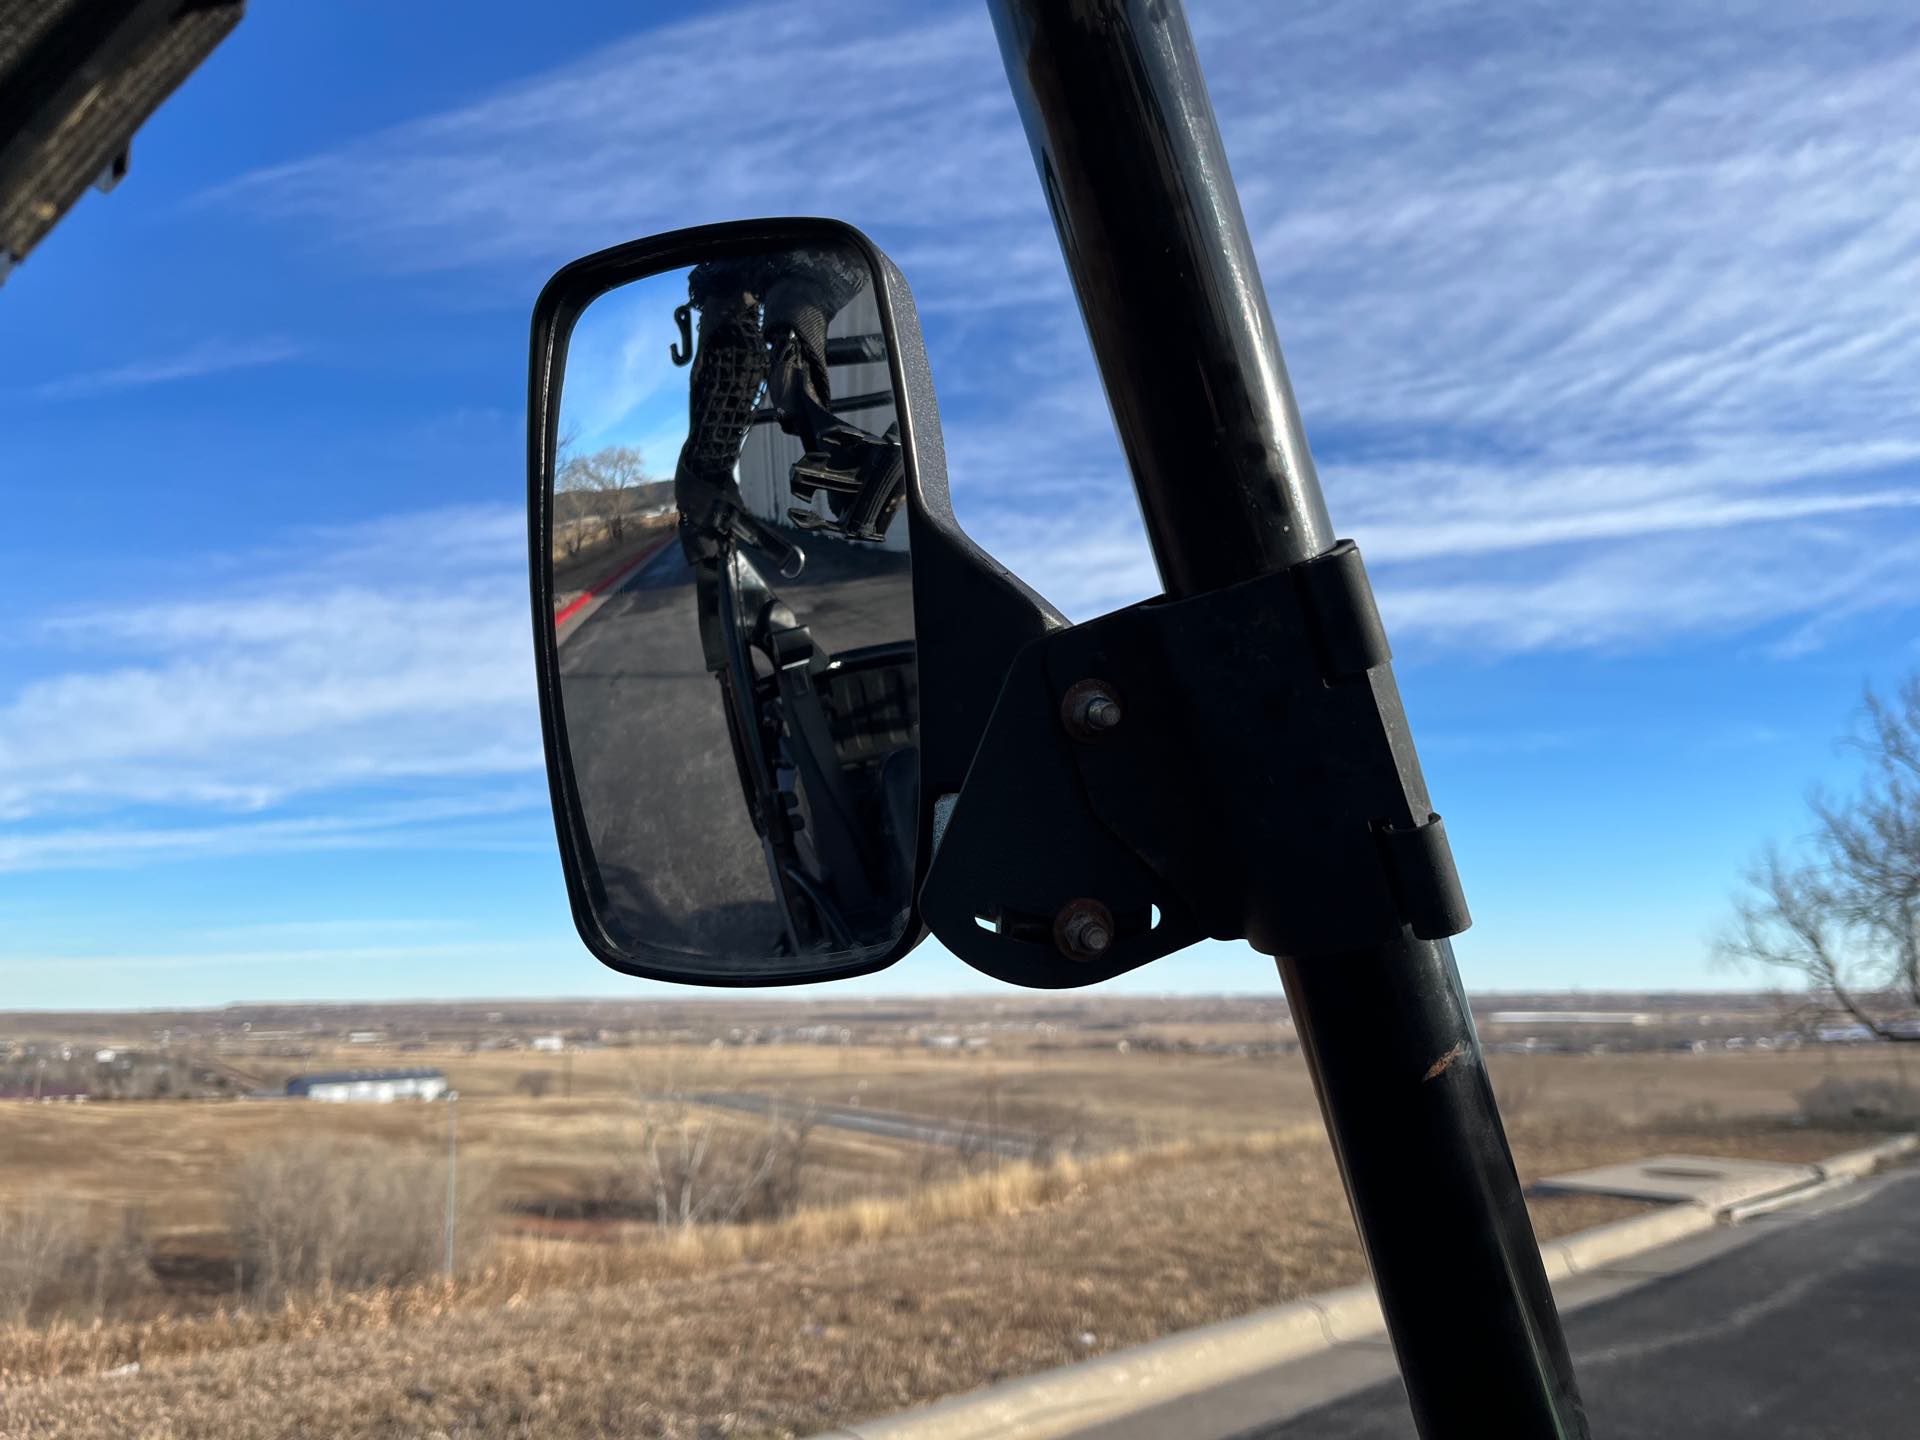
[(376, 1087), (1843, 1034), (1569, 1017), (549, 1042)]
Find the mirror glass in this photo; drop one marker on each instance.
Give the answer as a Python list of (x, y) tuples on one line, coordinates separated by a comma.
[(733, 612)]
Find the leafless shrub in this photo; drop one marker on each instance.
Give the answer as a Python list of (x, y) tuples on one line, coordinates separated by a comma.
[(695, 1175), (687, 1163), (60, 1258), (973, 1149), (40, 1243), (1062, 1135), (535, 1084), (118, 1264), (324, 1216), (1837, 1103), (986, 1138), (1521, 1090)]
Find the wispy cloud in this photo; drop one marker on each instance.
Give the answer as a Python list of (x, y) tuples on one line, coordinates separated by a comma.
[(1616, 597), (447, 824), (1568, 298), (372, 690), (408, 957), (639, 136), (208, 357)]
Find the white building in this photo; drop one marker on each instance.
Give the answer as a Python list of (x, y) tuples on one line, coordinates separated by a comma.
[(375, 1087)]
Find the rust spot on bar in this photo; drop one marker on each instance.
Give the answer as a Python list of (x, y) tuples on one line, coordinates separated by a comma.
[(1439, 1066)]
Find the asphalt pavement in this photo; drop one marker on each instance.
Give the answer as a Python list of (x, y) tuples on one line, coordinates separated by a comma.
[(1809, 1330), (665, 812), (890, 1124)]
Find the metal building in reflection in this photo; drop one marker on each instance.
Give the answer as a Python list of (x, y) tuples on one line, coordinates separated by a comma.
[(862, 393)]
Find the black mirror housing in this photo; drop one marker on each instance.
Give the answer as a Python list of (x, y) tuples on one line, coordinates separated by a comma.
[(969, 614)]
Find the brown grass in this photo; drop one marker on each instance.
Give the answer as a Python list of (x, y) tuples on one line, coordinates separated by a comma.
[(175, 1159), (879, 1293), (524, 1268), (770, 1342)]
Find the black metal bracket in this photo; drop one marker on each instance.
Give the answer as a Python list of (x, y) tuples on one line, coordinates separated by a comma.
[(1235, 765)]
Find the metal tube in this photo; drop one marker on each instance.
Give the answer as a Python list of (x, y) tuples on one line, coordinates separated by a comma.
[(1135, 174), (1136, 177), (1402, 1084)]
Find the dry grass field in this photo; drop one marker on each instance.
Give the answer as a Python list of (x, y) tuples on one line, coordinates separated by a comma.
[(1192, 1186)]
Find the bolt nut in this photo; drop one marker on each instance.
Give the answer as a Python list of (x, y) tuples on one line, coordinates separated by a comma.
[(1090, 709), (1083, 930)]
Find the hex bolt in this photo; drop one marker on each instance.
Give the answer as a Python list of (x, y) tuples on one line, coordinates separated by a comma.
[(1083, 930), (1090, 709)]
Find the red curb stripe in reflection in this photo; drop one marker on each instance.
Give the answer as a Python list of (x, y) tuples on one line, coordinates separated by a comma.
[(608, 582)]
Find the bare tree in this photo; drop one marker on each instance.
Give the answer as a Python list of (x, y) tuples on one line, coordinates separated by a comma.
[(690, 1165), (701, 1175), (1845, 915), (569, 522), (535, 1084), (608, 480), (568, 476)]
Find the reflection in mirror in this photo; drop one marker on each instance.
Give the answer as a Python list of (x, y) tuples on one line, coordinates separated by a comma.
[(733, 616)]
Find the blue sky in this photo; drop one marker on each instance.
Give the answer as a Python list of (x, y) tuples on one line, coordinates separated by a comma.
[(1600, 322), (621, 386)]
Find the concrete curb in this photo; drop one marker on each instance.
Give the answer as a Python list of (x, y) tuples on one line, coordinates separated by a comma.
[(577, 610), (1855, 1163), (1062, 1402), (1059, 1402), (1768, 1204), (1593, 1249)]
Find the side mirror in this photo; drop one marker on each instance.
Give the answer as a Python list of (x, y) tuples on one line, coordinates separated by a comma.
[(739, 527)]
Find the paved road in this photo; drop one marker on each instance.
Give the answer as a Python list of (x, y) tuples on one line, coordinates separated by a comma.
[(1809, 1332), (681, 864), (893, 1125)]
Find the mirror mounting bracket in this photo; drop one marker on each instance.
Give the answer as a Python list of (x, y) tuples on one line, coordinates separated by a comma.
[(1234, 765)]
